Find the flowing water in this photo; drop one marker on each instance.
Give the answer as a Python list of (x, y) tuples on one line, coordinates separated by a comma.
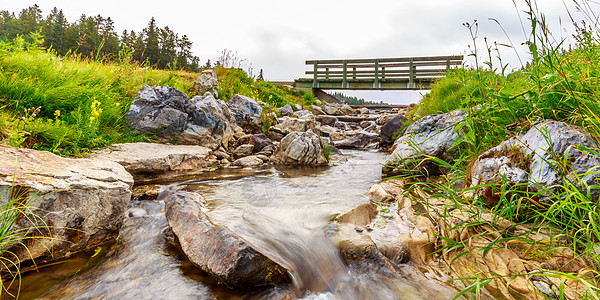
[(285, 212)]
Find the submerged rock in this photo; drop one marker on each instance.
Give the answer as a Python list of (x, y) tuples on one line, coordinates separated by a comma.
[(76, 204), (148, 161), (217, 250)]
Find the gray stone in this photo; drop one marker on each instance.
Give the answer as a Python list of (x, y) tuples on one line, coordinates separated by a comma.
[(391, 128), (243, 151), (332, 110), (347, 110), (81, 202), (249, 161), (531, 157), (297, 106), (302, 113), (301, 148), (326, 130), (206, 82), (365, 111), (356, 139), (286, 110), (316, 110), (287, 124), (149, 161), (210, 124), (432, 135), (326, 120), (217, 250), (260, 141), (246, 111)]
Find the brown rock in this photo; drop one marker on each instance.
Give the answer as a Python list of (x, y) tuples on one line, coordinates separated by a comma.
[(217, 250), (243, 151), (249, 161), (361, 215)]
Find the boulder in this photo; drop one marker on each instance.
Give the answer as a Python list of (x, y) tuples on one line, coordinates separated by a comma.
[(326, 130), (206, 82), (287, 124), (385, 118), (249, 161), (347, 110), (76, 204), (301, 148), (326, 120), (149, 161), (168, 115), (297, 106), (243, 151), (260, 141), (532, 158), (316, 110), (217, 250), (332, 110), (286, 110), (391, 128), (354, 139), (364, 111), (246, 111), (432, 135), (304, 113)]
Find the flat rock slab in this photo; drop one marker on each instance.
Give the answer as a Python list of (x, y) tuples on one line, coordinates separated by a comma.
[(76, 204), (216, 249), (149, 161)]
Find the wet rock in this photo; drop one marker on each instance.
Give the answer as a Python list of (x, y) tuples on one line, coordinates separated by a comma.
[(356, 139), (136, 212), (246, 111), (432, 135), (391, 129), (149, 161), (326, 120), (531, 158), (364, 124), (76, 204), (243, 151), (145, 192), (206, 82), (361, 215), (286, 110), (250, 161), (217, 250), (379, 194), (301, 148)]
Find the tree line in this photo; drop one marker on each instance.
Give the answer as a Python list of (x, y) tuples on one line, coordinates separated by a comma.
[(351, 100), (95, 36)]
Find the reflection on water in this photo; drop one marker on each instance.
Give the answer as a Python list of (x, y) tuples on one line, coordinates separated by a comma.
[(285, 212)]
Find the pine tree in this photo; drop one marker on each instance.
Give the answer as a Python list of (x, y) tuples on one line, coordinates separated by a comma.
[(151, 50), (29, 19)]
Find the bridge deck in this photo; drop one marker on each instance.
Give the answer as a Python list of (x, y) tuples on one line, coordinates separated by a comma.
[(409, 73)]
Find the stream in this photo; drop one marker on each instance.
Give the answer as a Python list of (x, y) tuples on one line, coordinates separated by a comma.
[(284, 212)]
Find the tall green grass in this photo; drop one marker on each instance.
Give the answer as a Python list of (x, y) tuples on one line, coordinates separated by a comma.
[(557, 84), (79, 103)]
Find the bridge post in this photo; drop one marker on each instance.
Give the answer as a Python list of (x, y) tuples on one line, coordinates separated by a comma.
[(315, 81), (376, 85), (345, 80), (411, 73)]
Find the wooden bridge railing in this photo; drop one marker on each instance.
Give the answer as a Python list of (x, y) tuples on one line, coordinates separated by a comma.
[(379, 73)]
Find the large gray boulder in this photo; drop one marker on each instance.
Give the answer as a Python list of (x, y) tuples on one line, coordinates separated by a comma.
[(168, 115), (286, 110), (354, 139), (301, 148), (246, 111), (287, 124), (150, 161), (432, 135), (532, 158), (211, 123), (76, 204), (217, 250)]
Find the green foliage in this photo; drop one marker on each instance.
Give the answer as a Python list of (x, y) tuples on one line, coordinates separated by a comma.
[(235, 81), (80, 102), (351, 100)]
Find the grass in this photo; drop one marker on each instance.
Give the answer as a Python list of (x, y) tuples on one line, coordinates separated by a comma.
[(69, 105), (557, 84)]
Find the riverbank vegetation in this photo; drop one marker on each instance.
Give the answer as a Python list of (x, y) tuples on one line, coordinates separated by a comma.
[(560, 83), (69, 105)]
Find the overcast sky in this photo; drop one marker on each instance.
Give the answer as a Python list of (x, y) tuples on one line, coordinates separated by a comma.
[(278, 36)]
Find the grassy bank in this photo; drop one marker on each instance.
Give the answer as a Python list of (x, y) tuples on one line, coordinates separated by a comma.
[(557, 84), (69, 105)]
